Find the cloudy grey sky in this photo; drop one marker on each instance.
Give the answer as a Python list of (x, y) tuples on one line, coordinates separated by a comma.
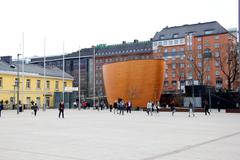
[(89, 22)]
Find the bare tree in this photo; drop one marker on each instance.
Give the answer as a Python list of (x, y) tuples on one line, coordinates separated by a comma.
[(229, 61)]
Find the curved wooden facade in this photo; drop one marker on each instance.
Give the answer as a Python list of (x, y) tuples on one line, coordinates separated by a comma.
[(136, 80)]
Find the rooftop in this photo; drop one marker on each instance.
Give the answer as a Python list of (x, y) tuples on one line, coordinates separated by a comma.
[(33, 70), (198, 29)]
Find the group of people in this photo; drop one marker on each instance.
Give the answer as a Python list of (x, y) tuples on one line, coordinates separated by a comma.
[(119, 106), (151, 107)]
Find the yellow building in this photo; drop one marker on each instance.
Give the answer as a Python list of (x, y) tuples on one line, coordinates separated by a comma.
[(31, 87)]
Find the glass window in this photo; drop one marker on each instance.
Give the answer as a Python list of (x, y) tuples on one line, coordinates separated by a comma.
[(48, 84), (199, 39), (28, 83), (170, 42), (174, 83), (173, 50), (161, 36), (65, 84), (155, 44), (216, 45), (216, 54), (165, 50), (208, 68), (1, 81), (217, 73), (182, 75), (217, 63), (173, 65), (182, 65), (199, 64), (38, 84), (208, 77), (199, 46), (56, 85), (166, 75), (208, 32), (175, 35), (199, 55), (165, 83), (216, 37), (181, 49), (173, 74), (165, 43), (176, 41)]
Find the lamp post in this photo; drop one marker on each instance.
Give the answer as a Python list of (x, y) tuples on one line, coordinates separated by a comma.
[(192, 85), (18, 81)]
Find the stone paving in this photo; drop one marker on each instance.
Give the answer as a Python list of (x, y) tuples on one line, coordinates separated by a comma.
[(93, 135)]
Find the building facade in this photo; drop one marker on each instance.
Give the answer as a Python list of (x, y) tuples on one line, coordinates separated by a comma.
[(192, 54), (31, 84)]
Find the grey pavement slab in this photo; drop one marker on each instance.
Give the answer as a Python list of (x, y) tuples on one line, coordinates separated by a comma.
[(93, 135)]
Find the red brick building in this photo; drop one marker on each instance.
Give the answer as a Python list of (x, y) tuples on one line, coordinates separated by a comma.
[(193, 52)]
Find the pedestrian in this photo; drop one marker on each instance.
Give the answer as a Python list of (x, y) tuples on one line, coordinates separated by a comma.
[(61, 109), (218, 106), (35, 108), (1, 108), (121, 107), (75, 105), (190, 109), (206, 107), (111, 107), (115, 106), (129, 107), (158, 107), (149, 107), (173, 108)]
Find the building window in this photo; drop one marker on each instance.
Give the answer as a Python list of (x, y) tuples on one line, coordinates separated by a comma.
[(166, 75), (199, 55), (165, 83), (199, 46), (173, 65), (176, 41), (217, 73), (165, 50), (217, 63), (216, 45), (56, 85), (65, 84), (181, 49), (38, 84), (28, 83), (175, 35), (216, 54), (219, 81), (182, 65), (216, 37), (199, 64), (181, 74), (190, 75), (173, 50), (165, 43), (1, 81), (170, 42), (208, 78), (174, 83), (48, 84), (208, 68), (161, 36), (173, 74), (199, 39), (206, 32)]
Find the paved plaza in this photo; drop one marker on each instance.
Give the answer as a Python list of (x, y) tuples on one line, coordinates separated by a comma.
[(93, 135)]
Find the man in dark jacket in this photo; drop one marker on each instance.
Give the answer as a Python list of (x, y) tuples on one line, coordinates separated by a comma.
[(1, 108), (61, 109)]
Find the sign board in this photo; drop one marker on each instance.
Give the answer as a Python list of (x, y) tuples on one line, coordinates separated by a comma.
[(70, 89)]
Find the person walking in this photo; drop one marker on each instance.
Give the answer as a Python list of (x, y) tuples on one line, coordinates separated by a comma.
[(1, 108), (206, 107), (173, 108), (218, 106), (149, 107), (121, 107), (129, 107), (35, 108), (190, 109), (61, 109), (115, 106)]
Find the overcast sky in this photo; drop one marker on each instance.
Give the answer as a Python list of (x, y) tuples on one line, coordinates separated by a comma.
[(89, 22)]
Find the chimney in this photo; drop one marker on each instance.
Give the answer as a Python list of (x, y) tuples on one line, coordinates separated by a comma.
[(135, 41)]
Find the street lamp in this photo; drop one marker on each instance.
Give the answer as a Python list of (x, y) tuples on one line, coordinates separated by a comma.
[(18, 81)]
